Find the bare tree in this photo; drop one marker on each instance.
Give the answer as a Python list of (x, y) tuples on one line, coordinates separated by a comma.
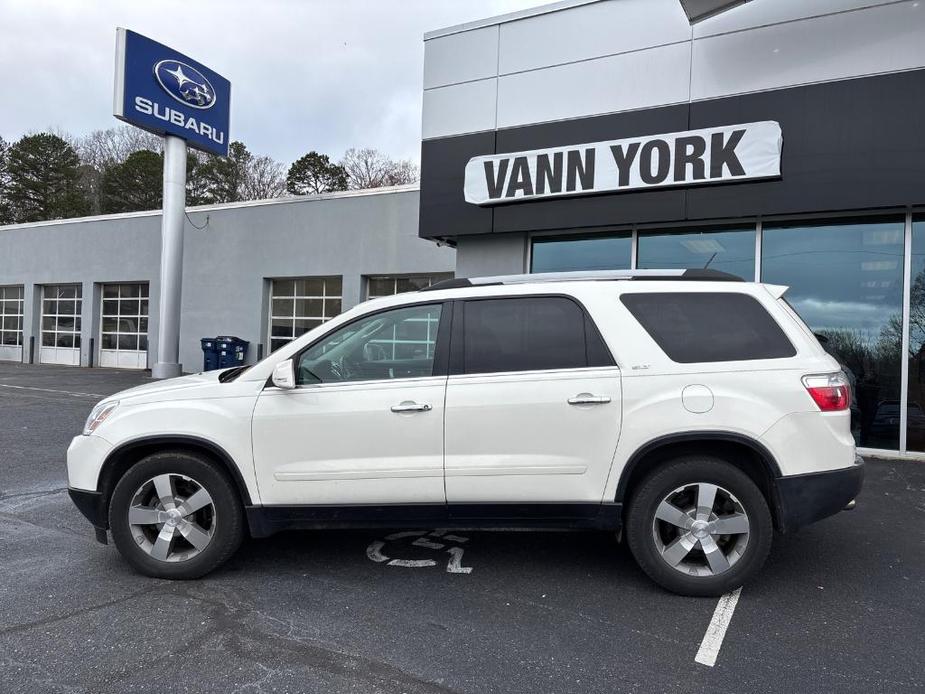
[(102, 148), (263, 179), (370, 168)]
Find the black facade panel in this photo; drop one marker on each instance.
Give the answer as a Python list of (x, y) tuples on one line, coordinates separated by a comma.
[(849, 145), (444, 212)]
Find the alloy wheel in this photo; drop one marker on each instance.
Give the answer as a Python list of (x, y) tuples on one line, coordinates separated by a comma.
[(172, 517), (700, 529)]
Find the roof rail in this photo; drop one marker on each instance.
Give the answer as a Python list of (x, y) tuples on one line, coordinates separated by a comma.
[(695, 275)]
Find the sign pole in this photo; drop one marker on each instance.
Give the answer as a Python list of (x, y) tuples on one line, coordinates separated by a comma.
[(168, 364)]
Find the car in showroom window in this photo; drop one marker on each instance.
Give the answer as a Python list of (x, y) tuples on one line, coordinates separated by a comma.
[(693, 413)]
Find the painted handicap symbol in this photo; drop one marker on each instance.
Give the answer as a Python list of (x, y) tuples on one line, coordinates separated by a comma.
[(427, 540)]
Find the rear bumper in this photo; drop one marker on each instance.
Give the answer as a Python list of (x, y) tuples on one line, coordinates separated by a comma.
[(805, 499)]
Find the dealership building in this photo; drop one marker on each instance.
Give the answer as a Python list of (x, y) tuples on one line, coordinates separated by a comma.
[(778, 140), (84, 292)]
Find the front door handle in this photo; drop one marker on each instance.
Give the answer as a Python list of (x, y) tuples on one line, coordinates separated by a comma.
[(588, 399), (410, 406)]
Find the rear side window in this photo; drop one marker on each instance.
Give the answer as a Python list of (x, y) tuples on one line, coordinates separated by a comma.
[(704, 327), (527, 334)]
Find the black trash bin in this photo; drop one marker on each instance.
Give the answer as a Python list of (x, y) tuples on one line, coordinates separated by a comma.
[(231, 351), (209, 353)]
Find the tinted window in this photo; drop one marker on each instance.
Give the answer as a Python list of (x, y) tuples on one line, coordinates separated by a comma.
[(391, 344), (602, 252), (729, 250), (523, 334), (704, 327)]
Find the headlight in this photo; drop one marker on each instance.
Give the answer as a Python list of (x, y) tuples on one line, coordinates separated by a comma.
[(99, 415)]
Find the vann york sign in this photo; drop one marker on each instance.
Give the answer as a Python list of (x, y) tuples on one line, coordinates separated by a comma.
[(712, 155)]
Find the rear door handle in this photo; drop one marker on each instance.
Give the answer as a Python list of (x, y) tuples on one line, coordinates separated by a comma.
[(409, 406), (588, 399)]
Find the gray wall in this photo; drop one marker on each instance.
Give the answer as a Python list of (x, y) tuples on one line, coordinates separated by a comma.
[(227, 264), (487, 255), (582, 58)]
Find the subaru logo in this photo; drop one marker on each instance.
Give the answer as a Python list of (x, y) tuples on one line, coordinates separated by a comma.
[(185, 84)]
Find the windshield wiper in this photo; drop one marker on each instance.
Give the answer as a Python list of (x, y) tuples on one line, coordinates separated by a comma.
[(232, 373)]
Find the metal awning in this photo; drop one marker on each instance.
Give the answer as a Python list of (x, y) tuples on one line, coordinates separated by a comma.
[(701, 9)]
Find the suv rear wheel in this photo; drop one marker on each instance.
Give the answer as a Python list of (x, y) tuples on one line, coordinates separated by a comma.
[(175, 515), (699, 526)]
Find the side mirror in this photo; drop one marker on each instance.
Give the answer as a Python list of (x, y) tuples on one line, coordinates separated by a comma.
[(284, 375)]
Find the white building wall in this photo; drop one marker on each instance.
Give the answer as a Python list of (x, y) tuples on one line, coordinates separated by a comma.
[(583, 58)]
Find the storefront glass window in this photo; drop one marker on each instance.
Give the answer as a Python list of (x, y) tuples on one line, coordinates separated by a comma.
[(729, 250), (845, 281), (601, 252), (915, 426)]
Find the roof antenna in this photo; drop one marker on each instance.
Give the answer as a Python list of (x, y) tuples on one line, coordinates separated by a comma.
[(710, 260)]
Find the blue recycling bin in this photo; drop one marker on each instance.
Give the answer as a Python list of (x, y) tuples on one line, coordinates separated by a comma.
[(209, 353), (231, 351)]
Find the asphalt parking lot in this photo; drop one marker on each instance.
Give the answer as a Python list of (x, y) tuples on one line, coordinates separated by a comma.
[(839, 606)]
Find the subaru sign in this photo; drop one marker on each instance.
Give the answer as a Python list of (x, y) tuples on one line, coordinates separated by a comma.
[(168, 93)]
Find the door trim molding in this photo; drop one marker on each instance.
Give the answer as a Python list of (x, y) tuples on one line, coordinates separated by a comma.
[(492, 471), (356, 474)]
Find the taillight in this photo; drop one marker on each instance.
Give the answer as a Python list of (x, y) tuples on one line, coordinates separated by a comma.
[(829, 391)]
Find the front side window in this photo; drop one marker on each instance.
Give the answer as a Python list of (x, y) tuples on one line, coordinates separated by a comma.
[(400, 343), (526, 334)]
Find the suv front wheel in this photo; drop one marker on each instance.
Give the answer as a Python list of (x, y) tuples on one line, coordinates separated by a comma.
[(699, 526), (175, 515)]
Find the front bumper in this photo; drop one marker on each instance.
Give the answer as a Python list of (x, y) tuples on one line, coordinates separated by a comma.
[(85, 457), (93, 506), (805, 499)]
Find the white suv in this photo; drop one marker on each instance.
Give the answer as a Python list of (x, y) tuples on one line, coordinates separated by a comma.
[(688, 410)]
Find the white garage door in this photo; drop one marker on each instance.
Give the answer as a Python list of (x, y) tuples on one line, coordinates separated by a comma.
[(301, 303), (11, 323), (124, 326), (61, 306)]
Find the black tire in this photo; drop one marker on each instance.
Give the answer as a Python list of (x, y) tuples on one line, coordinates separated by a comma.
[(228, 516), (644, 536)]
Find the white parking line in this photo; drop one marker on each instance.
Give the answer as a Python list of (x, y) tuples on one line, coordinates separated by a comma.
[(716, 631), (50, 390)]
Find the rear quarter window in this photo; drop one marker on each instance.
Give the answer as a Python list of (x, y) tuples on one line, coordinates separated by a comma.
[(709, 326)]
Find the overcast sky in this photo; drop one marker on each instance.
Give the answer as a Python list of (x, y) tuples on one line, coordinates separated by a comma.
[(305, 74)]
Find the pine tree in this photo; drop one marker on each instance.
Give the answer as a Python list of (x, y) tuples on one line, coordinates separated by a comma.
[(6, 212), (315, 173), (135, 184), (44, 179), (223, 178)]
